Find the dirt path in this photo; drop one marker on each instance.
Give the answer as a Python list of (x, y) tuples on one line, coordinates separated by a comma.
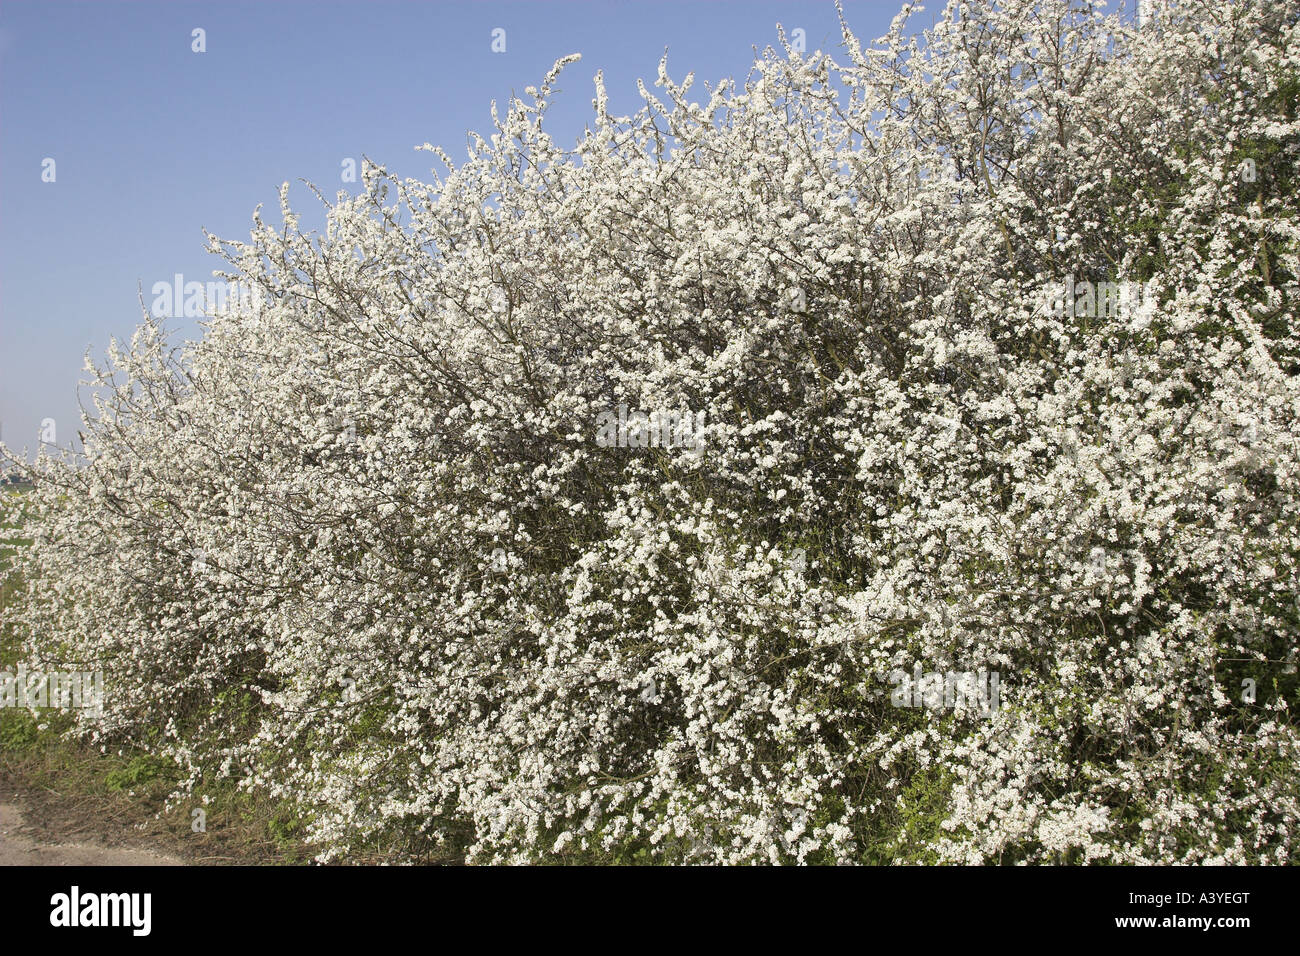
[(20, 846)]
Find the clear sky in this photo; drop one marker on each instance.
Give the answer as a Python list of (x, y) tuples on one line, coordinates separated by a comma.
[(153, 142)]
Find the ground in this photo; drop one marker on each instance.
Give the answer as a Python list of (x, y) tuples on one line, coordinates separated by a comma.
[(28, 838)]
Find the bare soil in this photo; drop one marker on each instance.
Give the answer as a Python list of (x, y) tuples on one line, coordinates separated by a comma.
[(45, 832)]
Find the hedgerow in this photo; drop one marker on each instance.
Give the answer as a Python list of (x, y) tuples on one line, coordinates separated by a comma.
[(365, 545)]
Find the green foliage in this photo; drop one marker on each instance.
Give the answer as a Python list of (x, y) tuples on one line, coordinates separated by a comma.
[(923, 806), (18, 731), (139, 770)]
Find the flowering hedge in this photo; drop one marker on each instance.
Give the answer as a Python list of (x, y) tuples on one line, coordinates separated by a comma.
[(582, 502)]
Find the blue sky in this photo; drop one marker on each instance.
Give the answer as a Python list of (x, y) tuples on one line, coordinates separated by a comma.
[(153, 142)]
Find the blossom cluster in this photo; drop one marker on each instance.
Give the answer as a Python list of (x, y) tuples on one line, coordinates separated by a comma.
[(432, 609)]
